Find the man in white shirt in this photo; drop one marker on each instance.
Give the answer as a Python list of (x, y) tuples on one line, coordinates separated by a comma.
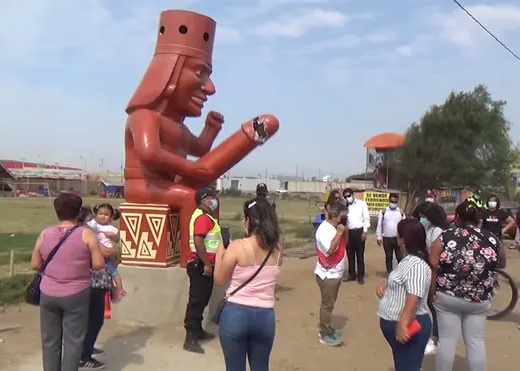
[(331, 249), (358, 224), (386, 231)]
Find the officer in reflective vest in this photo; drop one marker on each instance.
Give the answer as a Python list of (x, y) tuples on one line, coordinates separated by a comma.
[(476, 200), (204, 240)]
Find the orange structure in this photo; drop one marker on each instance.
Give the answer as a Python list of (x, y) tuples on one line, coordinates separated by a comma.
[(160, 182), (379, 149)]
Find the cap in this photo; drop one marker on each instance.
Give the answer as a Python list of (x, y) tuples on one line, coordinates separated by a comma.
[(201, 193), (261, 188), (182, 32)]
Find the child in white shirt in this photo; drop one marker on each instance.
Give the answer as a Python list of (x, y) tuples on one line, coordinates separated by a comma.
[(107, 234)]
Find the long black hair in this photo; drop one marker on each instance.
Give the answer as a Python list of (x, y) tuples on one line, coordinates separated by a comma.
[(467, 213), (333, 197), (414, 236), (435, 214), (262, 222), (113, 211)]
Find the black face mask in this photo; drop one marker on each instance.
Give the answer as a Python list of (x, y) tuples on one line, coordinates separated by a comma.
[(343, 220)]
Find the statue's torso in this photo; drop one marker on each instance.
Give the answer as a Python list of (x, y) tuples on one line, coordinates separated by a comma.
[(174, 138)]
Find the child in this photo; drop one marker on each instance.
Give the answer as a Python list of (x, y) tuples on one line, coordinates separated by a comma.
[(107, 234)]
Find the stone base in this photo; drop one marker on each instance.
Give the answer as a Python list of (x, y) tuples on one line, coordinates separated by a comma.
[(157, 297)]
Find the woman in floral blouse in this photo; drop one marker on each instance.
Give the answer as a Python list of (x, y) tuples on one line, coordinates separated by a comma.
[(464, 260)]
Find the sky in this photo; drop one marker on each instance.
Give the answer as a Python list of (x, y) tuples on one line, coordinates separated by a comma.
[(335, 73)]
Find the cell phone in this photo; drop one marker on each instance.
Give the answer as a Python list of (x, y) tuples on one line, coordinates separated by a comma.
[(413, 327), (226, 236)]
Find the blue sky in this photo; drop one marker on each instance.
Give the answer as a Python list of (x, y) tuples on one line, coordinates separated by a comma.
[(334, 72)]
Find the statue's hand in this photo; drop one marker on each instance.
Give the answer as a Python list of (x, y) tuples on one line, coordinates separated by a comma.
[(215, 120)]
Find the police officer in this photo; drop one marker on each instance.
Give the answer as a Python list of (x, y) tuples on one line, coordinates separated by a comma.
[(262, 192), (204, 240), (476, 200)]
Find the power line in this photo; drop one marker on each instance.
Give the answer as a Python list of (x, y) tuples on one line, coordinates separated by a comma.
[(486, 29)]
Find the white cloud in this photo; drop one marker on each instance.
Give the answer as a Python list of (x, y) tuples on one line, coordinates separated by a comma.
[(460, 29), (382, 37), (263, 7), (405, 50), (293, 26), (338, 44)]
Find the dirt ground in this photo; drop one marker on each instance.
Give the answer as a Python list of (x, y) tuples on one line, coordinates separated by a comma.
[(296, 346)]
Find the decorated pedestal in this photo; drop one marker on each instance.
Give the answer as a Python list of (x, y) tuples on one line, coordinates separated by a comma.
[(149, 235)]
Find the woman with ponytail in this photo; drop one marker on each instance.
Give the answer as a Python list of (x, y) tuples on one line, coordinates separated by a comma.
[(252, 266), (404, 299), (464, 260)]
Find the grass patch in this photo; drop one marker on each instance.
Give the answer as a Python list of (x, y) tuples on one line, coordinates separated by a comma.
[(12, 289), (21, 243)]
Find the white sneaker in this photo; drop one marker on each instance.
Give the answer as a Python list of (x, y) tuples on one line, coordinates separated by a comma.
[(431, 348)]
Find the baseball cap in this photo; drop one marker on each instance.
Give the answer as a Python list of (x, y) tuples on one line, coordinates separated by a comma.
[(202, 193), (261, 188)]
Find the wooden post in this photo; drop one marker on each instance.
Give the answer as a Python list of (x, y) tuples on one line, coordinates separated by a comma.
[(11, 264)]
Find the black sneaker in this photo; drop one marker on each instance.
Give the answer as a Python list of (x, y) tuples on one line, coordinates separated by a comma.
[(91, 364), (98, 352), (192, 345)]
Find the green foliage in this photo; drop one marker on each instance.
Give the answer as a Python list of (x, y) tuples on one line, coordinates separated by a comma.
[(462, 142)]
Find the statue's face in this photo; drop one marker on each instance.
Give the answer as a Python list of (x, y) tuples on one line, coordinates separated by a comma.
[(193, 88)]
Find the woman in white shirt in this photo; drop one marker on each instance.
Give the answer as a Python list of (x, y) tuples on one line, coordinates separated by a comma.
[(404, 299), (433, 218)]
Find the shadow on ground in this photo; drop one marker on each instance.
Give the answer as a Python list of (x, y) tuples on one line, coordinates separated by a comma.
[(122, 350)]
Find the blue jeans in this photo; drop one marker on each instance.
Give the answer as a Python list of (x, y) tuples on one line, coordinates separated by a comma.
[(408, 356), (111, 266), (245, 330)]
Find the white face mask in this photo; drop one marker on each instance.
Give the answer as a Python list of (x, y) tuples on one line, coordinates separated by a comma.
[(492, 204), (428, 199), (350, 199)]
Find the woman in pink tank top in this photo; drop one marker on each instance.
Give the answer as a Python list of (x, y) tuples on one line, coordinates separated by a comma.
[(247, 322), (65, 286)]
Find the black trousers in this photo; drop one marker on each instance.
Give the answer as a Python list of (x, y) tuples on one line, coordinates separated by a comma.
[(391, 247), (356, 253), (199, 295), (96, 319)]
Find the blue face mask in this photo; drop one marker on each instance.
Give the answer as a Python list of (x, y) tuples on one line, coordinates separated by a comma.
[(392, 206), (425, 222), (214, 205)]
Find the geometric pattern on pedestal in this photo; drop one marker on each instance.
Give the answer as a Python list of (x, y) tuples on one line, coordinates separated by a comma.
[(174, 248), (133, 222), (156, 222), (126, 246), (145, 248)]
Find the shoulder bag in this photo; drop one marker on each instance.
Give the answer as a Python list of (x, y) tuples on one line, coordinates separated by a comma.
[(33, 293), (216, 317)]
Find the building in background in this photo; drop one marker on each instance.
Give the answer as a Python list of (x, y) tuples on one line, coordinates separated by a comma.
[(38, 179)]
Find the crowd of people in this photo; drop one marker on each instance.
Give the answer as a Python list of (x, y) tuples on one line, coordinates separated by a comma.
[(441, 285)]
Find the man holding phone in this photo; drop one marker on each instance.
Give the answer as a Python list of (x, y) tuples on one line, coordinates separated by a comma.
[(205, 234)]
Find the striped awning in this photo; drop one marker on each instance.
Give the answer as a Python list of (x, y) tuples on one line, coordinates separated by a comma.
[(37, 173)]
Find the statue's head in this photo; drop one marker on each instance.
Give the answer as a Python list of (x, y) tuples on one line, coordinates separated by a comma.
[(178, 77)]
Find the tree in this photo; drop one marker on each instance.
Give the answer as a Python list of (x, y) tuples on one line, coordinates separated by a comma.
[(462, 142)]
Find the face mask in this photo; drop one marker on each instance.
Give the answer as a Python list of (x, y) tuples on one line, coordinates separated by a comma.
[(343, 220), (425, 222), (392, 206), (476, 196), (492, 204), (428, 199), (350, 199), (214, 205)]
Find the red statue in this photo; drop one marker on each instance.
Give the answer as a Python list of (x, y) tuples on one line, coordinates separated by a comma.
[(175, 86)]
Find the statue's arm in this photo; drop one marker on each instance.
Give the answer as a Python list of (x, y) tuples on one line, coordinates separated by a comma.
[(201, 145), (147, 144)]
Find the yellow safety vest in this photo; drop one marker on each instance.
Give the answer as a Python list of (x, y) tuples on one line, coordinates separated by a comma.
[(211, 240), (478, 203)]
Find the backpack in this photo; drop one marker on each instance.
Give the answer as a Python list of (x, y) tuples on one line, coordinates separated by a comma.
[(383, 219)]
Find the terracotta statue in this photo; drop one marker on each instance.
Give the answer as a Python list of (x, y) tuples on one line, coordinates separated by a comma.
[(175, 86)]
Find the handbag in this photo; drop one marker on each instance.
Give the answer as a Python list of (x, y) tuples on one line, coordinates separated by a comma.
[(33, 293), (216, 317)]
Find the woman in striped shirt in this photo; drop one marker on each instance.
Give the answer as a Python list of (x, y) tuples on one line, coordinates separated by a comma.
[(404, 298)]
